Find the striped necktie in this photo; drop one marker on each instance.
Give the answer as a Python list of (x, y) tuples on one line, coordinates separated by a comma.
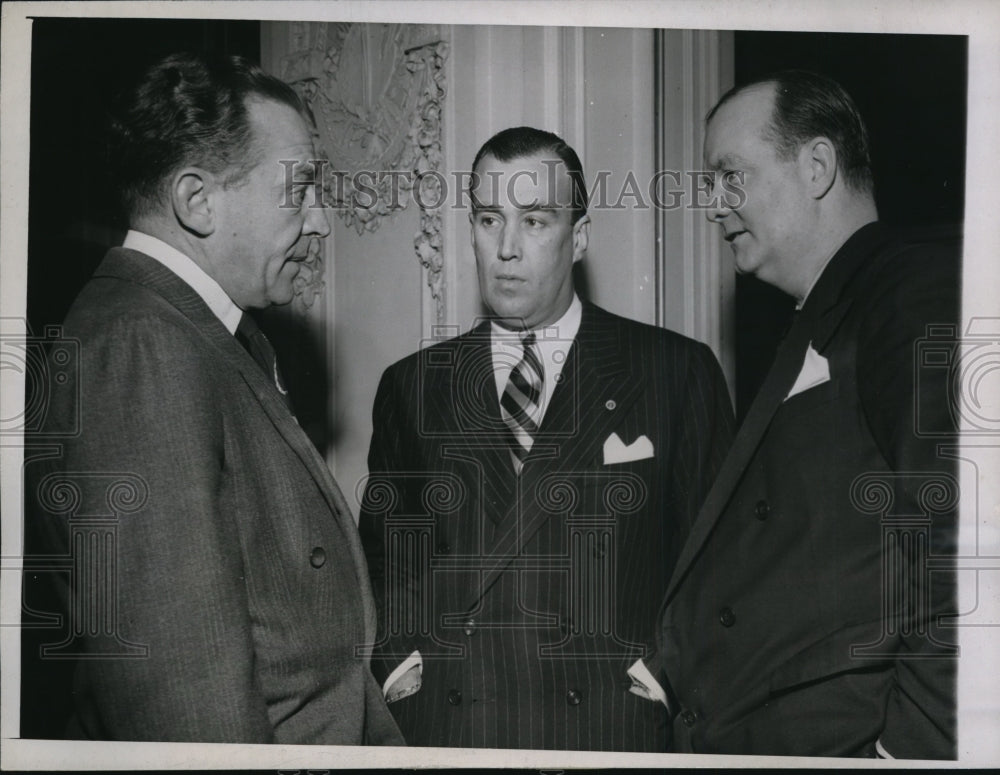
[(253, 340), (521, 402)]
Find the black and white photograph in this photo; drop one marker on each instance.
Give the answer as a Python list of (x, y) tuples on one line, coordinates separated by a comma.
[(532, 385)]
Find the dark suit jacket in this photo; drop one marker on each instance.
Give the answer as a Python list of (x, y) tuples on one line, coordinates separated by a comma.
[(219, 589), (803, 616), (529, 597)]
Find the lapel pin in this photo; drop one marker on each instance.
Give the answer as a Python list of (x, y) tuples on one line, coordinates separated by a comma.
[(610, 404)]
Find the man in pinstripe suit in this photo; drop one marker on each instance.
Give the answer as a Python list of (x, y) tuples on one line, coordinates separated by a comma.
[(531, 483)]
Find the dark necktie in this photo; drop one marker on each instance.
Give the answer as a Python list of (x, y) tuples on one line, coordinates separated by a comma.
[(253, 340), (521, 402)]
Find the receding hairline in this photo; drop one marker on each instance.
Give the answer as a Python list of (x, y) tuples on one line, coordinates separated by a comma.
[(768, 89)]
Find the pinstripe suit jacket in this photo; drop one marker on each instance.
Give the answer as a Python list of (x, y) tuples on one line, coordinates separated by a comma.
[(233, 589), (529, 597)]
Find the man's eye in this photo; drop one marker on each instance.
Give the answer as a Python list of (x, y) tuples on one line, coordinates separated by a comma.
[(534, 222), (487, 220)]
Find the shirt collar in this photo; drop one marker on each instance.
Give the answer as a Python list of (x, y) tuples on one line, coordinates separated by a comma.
[(563, 330), (553, 342), (211, 292), (800, 304)]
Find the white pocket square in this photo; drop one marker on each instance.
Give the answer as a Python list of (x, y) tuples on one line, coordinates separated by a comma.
[(616, 451), (815, 371)]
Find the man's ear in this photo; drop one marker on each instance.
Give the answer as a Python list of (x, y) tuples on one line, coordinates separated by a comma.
[(818, 161), (581, 237), (191, 199)]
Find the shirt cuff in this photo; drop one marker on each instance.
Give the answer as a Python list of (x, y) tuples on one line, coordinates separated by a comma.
[(413, 660), (644, 685)]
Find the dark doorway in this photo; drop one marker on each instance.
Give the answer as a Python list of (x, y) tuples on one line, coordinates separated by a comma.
[(911, 90)]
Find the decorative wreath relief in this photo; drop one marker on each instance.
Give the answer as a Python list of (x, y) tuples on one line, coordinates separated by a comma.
[(375, 92)]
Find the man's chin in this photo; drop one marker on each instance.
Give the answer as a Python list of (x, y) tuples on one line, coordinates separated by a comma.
[(512, 319), (744, 264), (278, 297)]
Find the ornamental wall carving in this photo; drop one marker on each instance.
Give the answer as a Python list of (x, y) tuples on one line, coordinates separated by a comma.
[(376, 95)]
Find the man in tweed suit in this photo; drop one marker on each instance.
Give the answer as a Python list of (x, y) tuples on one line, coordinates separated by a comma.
[(531, 483), (228, 593)]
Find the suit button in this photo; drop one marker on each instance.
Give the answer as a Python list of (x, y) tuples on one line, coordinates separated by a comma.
[(762, 509), (469, 628), (689, 718), (317, 557), (454, 697), (727, 617), (444, 548), (574, 697)]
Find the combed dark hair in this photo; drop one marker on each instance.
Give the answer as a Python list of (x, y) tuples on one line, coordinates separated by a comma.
[(808, 105), (520, 141), (187, 109)]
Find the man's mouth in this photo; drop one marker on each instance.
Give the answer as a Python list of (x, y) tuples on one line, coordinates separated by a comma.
[(733, 235)]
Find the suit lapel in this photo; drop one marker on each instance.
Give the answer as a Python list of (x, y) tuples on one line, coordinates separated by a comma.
[(469, 409), (779, 381), (816, 324), (139, 268), (596, 389)]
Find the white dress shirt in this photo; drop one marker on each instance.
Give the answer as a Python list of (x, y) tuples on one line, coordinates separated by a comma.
[(218, 301)]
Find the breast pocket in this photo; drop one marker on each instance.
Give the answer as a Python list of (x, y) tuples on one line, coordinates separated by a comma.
[(811, 400)]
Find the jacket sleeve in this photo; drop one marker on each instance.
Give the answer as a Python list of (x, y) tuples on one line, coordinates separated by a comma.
[(151, 452), (907, 404), (385, 494)]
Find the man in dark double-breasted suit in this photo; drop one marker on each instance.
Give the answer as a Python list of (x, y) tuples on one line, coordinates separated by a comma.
[(531, 483), (809, 611), (216, 588)]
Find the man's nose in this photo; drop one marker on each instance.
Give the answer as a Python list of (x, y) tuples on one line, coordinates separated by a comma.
[(509, 247), (718, 206), (317, 220)]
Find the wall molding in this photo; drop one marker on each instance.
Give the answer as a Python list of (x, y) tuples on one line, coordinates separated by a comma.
[(695, 282)]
